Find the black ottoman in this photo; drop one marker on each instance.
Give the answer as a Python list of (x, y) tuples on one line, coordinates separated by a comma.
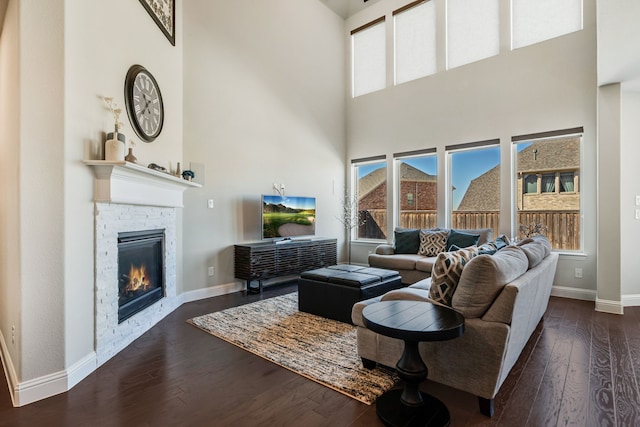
[(331, 292)]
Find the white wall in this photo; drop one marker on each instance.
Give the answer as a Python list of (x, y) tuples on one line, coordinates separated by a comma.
[(9, 189), (618, 107), (57, 59), (629, 189), (103, 39), (264, 103), (543, 87)]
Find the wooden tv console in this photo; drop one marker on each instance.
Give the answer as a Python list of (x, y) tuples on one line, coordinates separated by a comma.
[(256, 262)]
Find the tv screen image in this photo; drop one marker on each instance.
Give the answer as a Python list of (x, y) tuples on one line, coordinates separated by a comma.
[(288, 216)]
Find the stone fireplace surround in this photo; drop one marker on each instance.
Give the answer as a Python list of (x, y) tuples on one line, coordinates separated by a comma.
[(110, 220), (129, 197)]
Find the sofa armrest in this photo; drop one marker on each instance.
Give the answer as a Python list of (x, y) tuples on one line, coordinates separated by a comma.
[(385, 249)]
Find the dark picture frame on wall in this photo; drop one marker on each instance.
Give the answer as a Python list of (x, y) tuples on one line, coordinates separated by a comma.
[(163, 13)]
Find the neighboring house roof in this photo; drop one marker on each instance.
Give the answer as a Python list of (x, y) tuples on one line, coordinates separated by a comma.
[(484, 195), (372, 180), (557, 155)]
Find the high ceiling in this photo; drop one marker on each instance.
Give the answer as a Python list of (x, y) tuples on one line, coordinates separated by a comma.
[(346, 8)]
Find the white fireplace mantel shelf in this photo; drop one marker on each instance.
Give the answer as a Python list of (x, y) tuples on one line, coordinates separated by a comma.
[(128, 183)]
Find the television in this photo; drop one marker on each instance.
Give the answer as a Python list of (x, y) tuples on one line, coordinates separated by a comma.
[(288, 216)]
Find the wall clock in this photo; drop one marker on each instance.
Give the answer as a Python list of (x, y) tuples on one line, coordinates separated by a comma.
[(144, 103)]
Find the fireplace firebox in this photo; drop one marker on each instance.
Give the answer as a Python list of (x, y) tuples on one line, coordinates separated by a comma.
[(140, 271)]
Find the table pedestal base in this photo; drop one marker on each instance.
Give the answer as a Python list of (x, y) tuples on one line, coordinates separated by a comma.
[(392, 412)]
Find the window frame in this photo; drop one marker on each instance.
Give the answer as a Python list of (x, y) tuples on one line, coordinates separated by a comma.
[(577, 132), (399, 158), (355, 164)]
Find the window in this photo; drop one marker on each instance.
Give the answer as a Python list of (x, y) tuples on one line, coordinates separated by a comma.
[(417, 188), (533, 21), (549, 183), (371, 179), (475, 185), (415, 41), (473, 31), (567, 182), (555, 157), (531, 183), (368, 58)]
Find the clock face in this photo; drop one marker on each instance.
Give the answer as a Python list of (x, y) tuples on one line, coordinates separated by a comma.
[(144, 103)]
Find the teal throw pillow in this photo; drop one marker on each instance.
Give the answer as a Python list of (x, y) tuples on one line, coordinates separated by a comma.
[(461, 240), (407, 241)]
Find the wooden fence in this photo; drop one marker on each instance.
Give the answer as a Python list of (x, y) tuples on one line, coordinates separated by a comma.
[(562, 227)]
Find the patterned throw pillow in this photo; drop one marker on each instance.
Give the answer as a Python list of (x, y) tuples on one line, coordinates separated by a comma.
[(446, 272), (432, 242)]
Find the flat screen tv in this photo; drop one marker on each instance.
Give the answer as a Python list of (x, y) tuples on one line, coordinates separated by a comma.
[(288, 216)]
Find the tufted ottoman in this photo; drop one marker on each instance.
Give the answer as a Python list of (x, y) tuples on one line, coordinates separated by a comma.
[(332, 291)]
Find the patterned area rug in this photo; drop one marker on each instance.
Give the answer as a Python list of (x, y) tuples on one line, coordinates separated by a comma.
[(320, 349)]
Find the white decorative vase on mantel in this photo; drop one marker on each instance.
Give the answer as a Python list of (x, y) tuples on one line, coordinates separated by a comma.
[(114, 146)]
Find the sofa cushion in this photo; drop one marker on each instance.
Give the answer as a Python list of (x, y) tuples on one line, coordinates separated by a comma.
[(407, 241), (446, 273), (425, 264), (432, 242), (395, 262), (461, 239), (484, 277), (535, 252), (545, 242)]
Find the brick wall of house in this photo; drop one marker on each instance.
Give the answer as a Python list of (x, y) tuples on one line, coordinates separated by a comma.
[(425, 195)]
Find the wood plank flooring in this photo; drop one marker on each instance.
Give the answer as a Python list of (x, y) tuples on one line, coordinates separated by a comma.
[(580, 368)]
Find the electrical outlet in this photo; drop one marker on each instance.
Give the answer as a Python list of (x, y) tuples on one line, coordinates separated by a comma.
[(637, 213), (637, 200), (211, 271), (210, 203), (578, 273), (13, 334)]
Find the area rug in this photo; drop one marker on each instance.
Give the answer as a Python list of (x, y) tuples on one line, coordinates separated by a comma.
[(320, 349)]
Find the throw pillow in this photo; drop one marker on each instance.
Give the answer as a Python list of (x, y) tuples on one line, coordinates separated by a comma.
[(407, 241), (432, 242), (484, 277), (446, 273), (535, 252), (462, 240)]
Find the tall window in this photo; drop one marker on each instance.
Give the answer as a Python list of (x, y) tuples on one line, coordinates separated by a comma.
[(417, 189), (533, 21), (415, 41), (554, 158), (473, 31), (475, 185), (371, 179), (368, 58)]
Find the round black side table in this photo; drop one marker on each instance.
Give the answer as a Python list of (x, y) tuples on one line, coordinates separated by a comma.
[(412, 322)]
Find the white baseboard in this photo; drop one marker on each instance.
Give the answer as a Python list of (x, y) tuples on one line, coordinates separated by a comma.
[(23, 393), (608, 306), (49, 385), (573, 293), (631, 300), (9, 369), (212, 291)]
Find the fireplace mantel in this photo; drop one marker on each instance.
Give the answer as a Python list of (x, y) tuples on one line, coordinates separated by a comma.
[(128, 183)]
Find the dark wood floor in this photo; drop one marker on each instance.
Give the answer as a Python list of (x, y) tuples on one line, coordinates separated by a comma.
[(579, 368)]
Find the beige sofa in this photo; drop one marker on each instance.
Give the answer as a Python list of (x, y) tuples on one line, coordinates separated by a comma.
[(411, 266), (502, 296)]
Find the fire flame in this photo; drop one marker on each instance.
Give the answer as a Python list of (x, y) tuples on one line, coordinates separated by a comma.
[(138, 278)]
